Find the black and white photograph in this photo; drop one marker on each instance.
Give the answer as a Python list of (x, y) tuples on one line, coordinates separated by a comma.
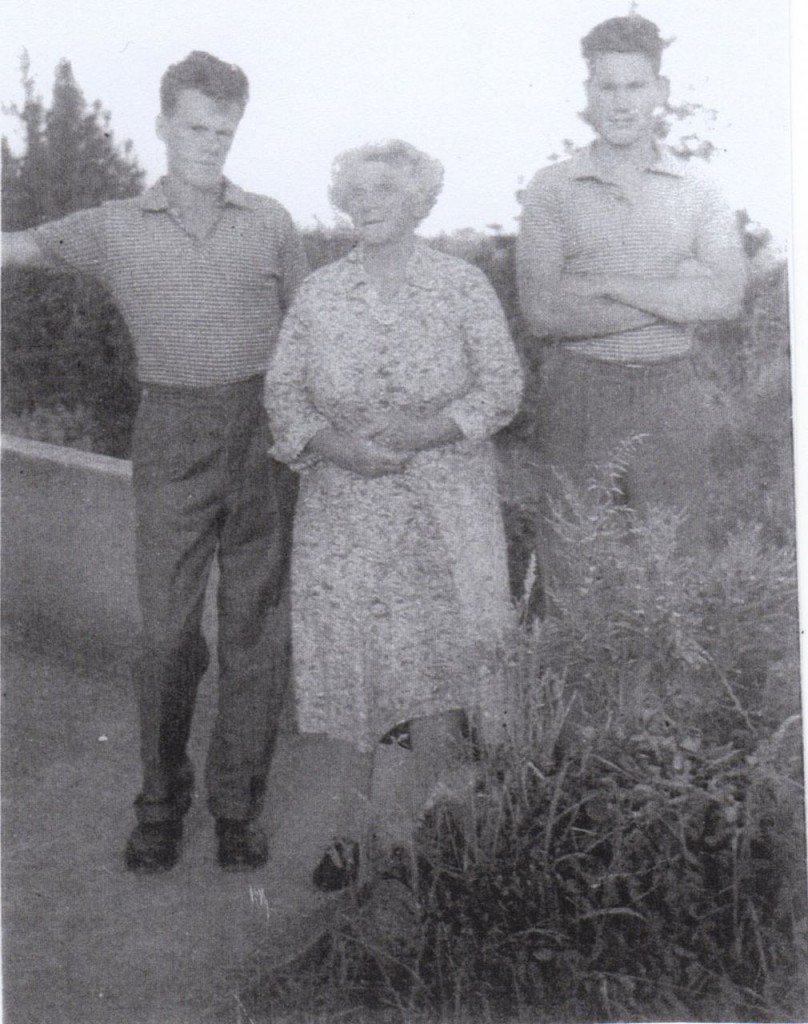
[(403, 483)]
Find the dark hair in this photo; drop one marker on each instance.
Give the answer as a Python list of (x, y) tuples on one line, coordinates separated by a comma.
[(632, 34), (215, 79)]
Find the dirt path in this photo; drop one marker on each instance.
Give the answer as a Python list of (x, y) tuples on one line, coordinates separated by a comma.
[(84, 942)]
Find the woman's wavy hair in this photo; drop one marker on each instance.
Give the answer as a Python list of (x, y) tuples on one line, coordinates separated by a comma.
[(423, 174)]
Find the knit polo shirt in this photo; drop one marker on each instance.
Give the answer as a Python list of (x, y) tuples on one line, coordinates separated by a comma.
[(574, 214), (201, 312)]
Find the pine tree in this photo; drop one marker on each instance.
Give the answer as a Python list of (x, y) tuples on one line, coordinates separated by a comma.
[(23, 176), (70, 159)]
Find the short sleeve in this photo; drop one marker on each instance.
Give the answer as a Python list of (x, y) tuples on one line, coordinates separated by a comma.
[(76, 242), (718, 238), (294, 262), (540, 241)]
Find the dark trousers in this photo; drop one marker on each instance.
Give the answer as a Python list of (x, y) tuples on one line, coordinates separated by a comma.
[(588, 408), (205, 486)]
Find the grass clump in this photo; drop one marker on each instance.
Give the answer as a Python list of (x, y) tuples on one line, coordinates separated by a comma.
[(633, 848)]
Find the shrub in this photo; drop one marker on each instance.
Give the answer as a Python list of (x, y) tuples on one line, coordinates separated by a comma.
[(65, 347), (71, 428), (746, 368), (324, 245)]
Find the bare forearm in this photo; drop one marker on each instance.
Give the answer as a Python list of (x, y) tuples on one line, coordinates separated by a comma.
[(685, 300), (562, 315), (20, 250)]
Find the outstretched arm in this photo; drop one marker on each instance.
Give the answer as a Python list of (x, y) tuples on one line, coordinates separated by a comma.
[(75, 243), (20, 250)]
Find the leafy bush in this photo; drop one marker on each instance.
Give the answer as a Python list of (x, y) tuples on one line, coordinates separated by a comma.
[(746, 369), (324, 246), (65, 347), (70, 428)]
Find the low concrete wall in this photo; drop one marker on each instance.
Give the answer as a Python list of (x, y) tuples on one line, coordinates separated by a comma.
[(68, 543), (68, 565)]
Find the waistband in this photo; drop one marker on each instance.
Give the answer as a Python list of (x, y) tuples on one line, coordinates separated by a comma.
[(616, 366), (251, 387)]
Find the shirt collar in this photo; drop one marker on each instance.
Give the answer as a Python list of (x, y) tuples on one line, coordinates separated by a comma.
[(419, 272), (585, 164), (155, 200)]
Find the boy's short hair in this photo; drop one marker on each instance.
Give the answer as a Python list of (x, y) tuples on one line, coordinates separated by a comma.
[(631, 34), (214, 78)]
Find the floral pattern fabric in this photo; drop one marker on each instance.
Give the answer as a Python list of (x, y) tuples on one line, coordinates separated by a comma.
[(399, 583)]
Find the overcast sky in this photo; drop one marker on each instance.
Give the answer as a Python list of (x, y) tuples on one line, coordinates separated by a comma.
[(490, 87)]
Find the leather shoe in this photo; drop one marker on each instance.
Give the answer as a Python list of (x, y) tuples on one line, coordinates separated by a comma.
[(184, 789), (153, 847), (339, 866), (242, 845)]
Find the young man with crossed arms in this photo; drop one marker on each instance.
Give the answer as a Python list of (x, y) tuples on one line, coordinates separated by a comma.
[(623, 249)]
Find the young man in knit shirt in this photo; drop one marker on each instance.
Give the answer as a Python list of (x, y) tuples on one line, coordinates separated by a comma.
[(623, 249), (202, 273)]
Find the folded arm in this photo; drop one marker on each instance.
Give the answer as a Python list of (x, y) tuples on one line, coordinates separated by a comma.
[(695, 294), (708, 284), (566, 306), (557, 304)]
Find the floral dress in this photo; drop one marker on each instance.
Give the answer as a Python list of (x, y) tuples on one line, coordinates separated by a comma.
[(399, 582)]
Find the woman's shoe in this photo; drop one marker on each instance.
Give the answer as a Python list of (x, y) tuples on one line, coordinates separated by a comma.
[(339, 866)]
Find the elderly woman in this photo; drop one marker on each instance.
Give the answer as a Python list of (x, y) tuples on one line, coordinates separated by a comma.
[(393, 369)]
